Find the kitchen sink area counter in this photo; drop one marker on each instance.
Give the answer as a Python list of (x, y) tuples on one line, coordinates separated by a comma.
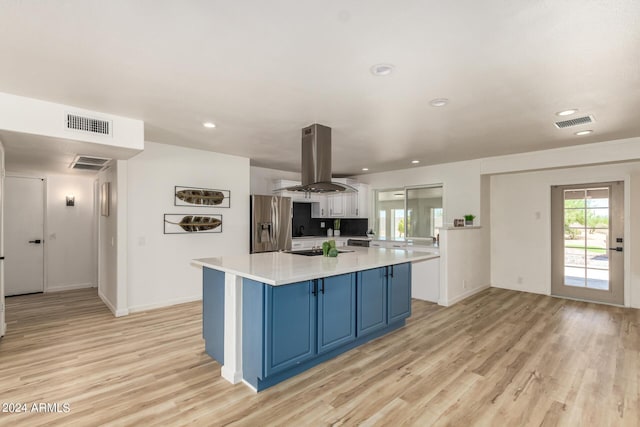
[(270, 316)]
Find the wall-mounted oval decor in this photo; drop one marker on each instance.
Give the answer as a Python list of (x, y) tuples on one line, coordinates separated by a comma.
[(202, 197), (192, 224)]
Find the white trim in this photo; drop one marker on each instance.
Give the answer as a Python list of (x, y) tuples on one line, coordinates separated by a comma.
[(465, 295), (122, 287), (232, 369), (45, 236), (111, 307), (626, 268), (162, 304), (585, 300), (255, 390), (627, 241), (69, 287), (3, 325)]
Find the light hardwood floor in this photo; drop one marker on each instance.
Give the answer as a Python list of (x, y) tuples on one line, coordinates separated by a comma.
[(500, 358)]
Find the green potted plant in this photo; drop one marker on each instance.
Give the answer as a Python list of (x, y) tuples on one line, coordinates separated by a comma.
[(336, 227), (468, 220)]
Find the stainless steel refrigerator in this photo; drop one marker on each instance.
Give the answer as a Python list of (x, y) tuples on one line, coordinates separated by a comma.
[(270, 223)]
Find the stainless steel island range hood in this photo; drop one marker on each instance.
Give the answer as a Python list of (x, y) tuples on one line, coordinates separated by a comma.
[(316, 162)]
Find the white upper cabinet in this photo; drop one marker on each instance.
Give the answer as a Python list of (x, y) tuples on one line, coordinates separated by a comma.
[(357, 204), (337, 205), (320, 207)]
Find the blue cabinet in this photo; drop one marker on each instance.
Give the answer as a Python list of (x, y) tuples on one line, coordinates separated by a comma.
[(372, 300), (290, 325), (399, 292), (336, 311), (290, 328)]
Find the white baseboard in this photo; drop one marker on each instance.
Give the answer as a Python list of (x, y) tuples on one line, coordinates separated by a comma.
[(145, 307), (462, 296), (249, 385), (69, 287), (110, 306)]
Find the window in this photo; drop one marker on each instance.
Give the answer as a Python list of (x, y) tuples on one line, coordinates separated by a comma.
[(382, 223), (412, 212)]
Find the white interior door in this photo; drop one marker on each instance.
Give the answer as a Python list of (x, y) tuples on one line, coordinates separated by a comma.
[(23, 234)]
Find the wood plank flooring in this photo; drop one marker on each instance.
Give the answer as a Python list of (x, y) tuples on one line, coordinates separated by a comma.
[(500, 358)]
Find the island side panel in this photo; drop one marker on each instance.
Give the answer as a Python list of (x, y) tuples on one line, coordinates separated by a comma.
[(213, 313), (253, 296), (232, 368)]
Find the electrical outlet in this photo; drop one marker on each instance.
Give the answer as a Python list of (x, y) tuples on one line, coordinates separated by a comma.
[(464, 284), (520, 280), (322, 224)]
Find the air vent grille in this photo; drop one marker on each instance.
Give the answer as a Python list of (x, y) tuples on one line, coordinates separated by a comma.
[(87, 167), (100, 161), (89, 163), (575, 122), (88, 124)]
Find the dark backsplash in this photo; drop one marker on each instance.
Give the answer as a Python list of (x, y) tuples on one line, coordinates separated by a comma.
[(311, 226)]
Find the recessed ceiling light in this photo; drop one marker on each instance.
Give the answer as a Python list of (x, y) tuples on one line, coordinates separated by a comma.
[(381, 69), (567, 112), (209, 125), (439, 102), (415, 161), (365, 169), (584, 132)]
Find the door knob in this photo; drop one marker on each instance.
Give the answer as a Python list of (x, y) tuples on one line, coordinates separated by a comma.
[(617, 249), (37, 241)]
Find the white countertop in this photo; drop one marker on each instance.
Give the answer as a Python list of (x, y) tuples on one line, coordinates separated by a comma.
[(280, 268), (329, 238)]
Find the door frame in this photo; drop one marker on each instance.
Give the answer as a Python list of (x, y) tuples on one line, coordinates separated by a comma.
[(626, 179), (45, 228), (3, 307)]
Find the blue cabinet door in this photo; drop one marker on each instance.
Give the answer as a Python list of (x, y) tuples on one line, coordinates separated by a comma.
[(290, 325), (399, 289), (213, 313), (371, 300), (336, 311)]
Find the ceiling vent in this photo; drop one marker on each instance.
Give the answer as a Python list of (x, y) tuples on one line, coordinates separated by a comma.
[(575, 122), (88, 124), (89, 163)]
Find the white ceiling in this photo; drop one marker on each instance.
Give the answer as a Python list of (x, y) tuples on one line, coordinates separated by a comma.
[(262, 70)]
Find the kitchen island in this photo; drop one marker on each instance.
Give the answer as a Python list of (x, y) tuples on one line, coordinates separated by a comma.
[(270, 316)]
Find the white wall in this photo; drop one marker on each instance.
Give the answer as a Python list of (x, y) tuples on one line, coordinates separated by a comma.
[(32, 116), (159, 265), (621, 150), (70, 243), (464, 264), (520, 224), (460, 180), (262, 179), (108, 248)]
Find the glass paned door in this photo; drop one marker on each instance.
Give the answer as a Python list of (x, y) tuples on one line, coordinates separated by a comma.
[(586, 240), (587, 246)]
